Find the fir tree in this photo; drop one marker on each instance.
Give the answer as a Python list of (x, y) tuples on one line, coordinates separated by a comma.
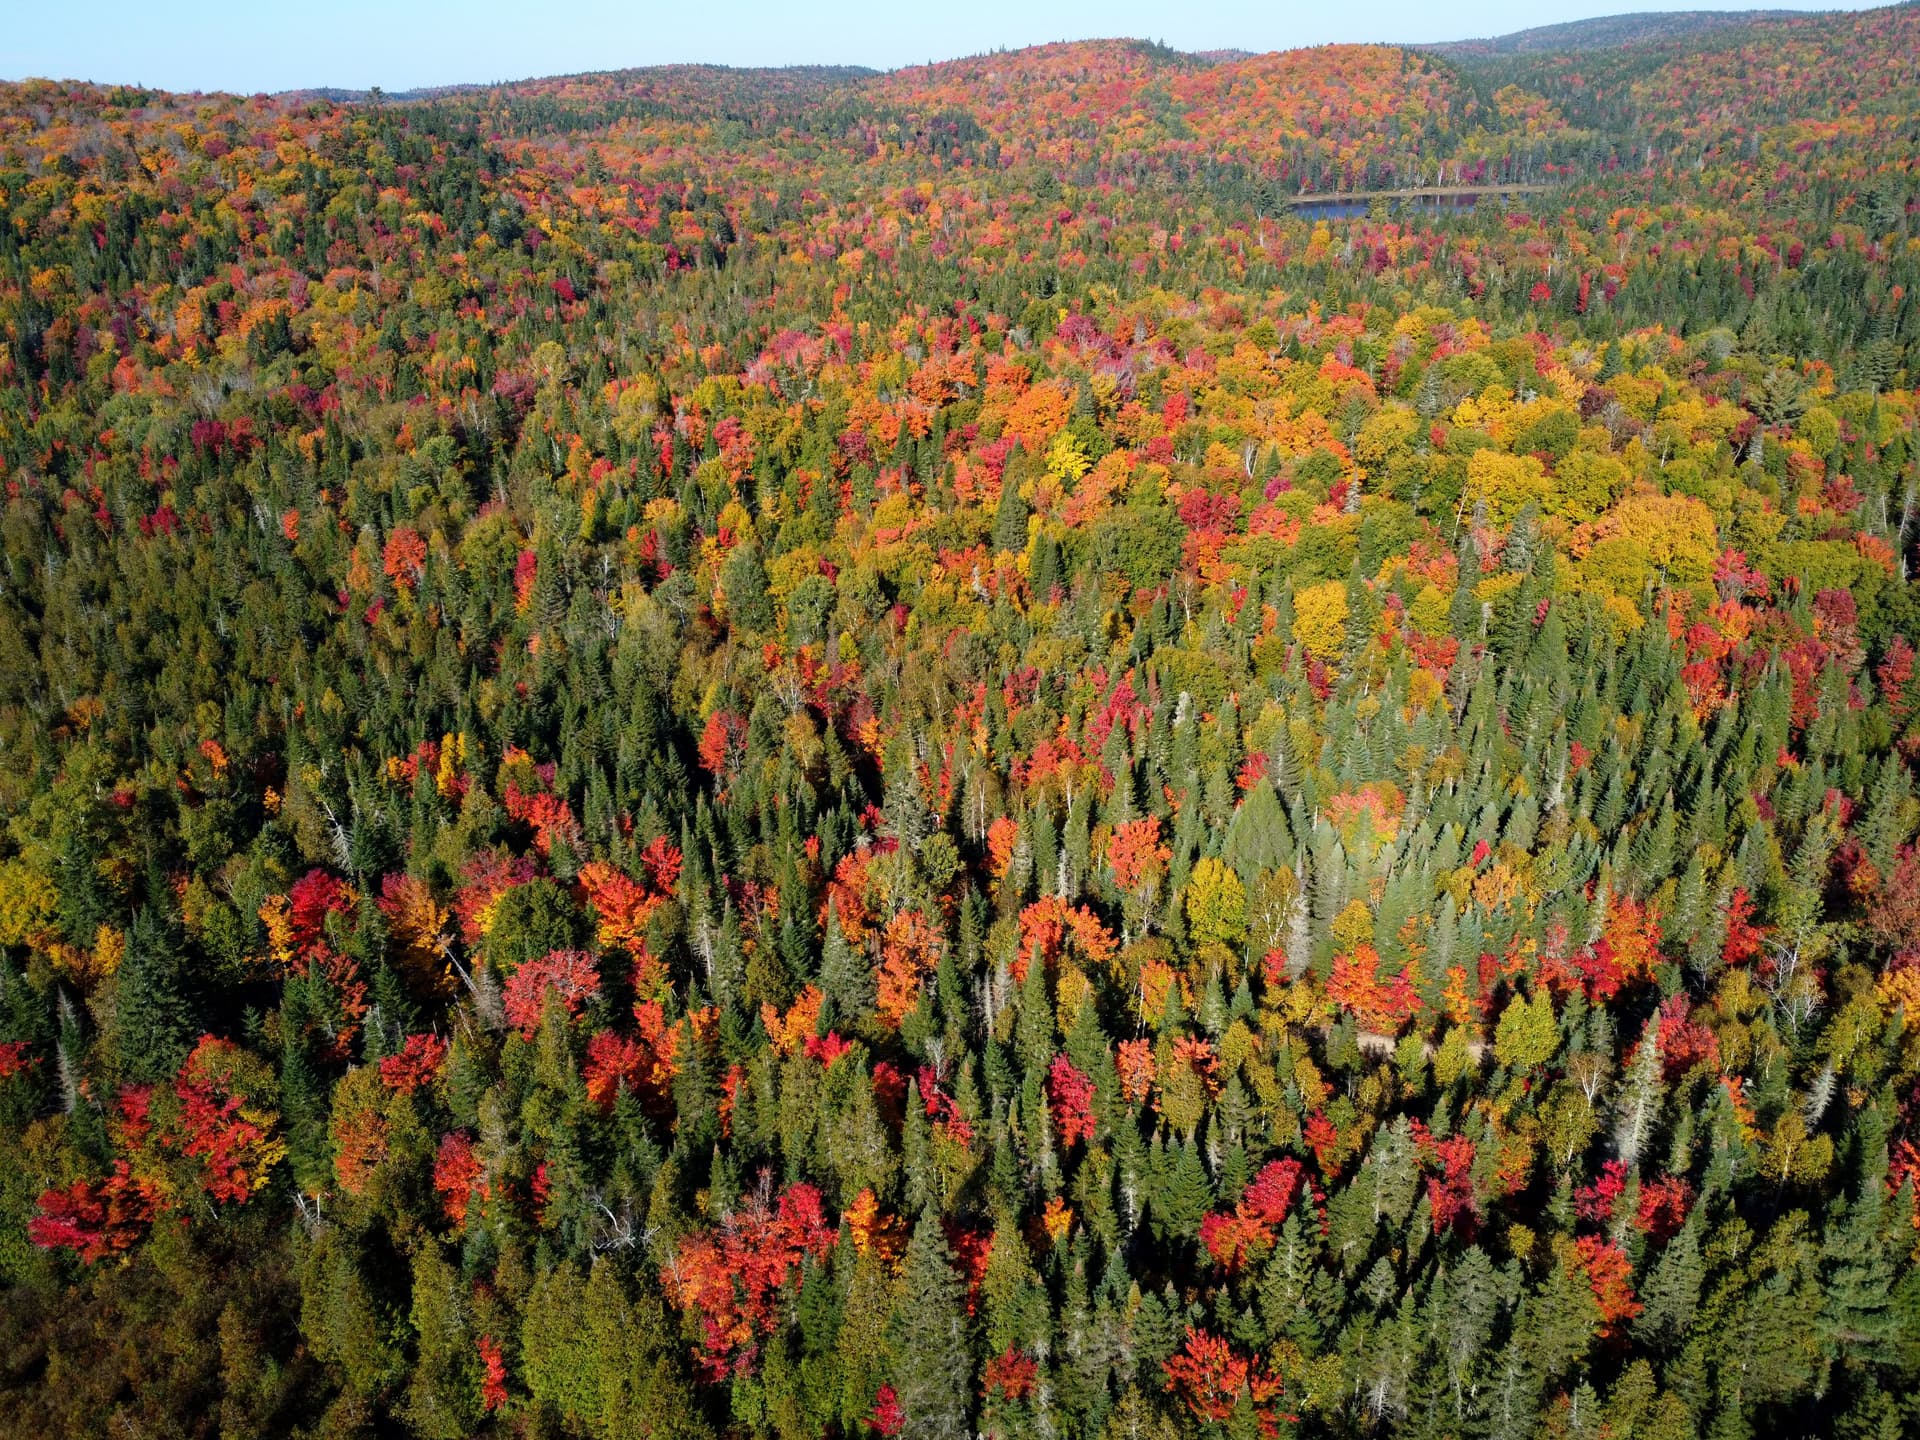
[(932, 1372)]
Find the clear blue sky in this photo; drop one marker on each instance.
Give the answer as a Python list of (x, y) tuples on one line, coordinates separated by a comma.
[(398, 44)]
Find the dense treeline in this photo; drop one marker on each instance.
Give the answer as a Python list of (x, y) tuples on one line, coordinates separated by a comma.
[(797, 753)]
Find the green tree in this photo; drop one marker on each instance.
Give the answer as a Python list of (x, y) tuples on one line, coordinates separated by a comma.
[(931, 1365)]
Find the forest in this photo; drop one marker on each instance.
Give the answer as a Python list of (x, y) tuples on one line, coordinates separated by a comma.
[(705, 753)]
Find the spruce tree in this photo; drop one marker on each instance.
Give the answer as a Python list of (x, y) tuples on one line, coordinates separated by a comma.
[(931, 1368), (154, 1016)]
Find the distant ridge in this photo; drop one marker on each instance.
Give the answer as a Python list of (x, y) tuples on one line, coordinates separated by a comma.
[(627, 75), (1608, 32)]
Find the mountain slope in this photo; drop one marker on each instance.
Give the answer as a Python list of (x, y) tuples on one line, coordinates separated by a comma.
[(1608, 31)]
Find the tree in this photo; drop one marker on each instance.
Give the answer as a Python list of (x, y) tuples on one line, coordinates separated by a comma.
[(1320, 619), (743, 579), (1637, 1109), (932, 1368), (1071, 1094), (443, 1397), (1216, 904), (153, 1014), (1010, 520), (1527, 1036)]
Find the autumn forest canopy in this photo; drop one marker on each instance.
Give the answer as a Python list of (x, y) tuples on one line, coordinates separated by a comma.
[(806, 753)]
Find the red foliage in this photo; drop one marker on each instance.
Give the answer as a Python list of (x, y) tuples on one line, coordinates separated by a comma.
[(943, 1110), (1663, 1207), (1071, 1094), (1450, 1193), (1209, 1377), (1011, 1375), (348, 993), (731, 1279), (1324, 1140), (1744, 938), (416, 1063), (644, 1066), (1270, 1195), (887, 1417), (1610, 1275), (135, 1121), (1895, 673), (1630, 944), (910, 949), (827, 1048), (890, 1093), (571, 976), (1594, 1203), (1355, 986), (488, 876), (1136, 853), (1135, 1063), (722, 739), (971, 1249), (1684, 1043), (1231, 1239), (14, 1059), (661, 859), (405, 557), (1002, 835), (1893, 919), (1247, 1233), (622, 904), (526, 571), (1049, 923), (96, 1218), (457, 1175), (312, 898), (549, 816), (493, 1379), (218, 1126)]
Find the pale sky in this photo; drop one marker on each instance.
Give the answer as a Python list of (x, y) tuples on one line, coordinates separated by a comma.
[(400, 44)]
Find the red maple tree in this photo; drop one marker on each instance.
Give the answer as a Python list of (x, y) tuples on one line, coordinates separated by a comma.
[(1071, 1094)]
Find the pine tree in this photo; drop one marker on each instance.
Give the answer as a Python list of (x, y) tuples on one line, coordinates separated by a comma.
[(1637, 1109), (846, 973), (1670, 1296), (932, 1371), (154, 1016), (1183, 1195), (1010, 520), (443, 1397), (1858, 1317), (1257, 839)]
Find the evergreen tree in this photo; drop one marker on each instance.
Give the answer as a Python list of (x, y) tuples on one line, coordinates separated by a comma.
[(154, 1015), (932, 1373)]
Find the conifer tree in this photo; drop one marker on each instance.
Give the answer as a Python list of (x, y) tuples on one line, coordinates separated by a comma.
[(930, 1365)]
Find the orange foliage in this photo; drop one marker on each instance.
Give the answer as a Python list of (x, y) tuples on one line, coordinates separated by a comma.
[(910, 949)]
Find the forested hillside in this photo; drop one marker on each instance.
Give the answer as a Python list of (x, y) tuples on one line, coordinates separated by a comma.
[(801, 753)]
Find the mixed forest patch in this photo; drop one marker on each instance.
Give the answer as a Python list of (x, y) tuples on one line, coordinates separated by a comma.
[(693, 752)]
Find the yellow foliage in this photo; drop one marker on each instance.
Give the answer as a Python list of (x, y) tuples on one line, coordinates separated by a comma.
[(1320, 619), (109, 949), (1067, 457), (1353, 926), (1385, 431), (1584, 484), (1676, 534), (28, 902), (1430, 611), (1505, 484), (1216, 904)]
